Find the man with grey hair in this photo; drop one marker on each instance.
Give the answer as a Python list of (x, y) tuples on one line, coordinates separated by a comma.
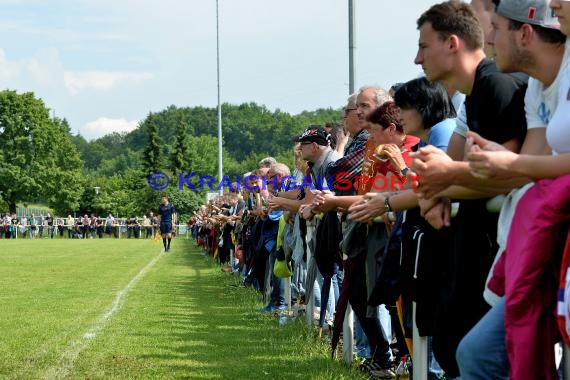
[(369, 98), (267, 162), (350, 123), (362, 104)]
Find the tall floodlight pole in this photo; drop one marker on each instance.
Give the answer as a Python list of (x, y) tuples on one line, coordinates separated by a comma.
[(220, 164), (351, 46)]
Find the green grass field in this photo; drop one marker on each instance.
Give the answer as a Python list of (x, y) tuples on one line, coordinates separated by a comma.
[(99, 309)]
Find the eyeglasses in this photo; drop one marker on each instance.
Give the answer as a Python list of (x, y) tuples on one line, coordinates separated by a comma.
[(347, 111), (306, 143)]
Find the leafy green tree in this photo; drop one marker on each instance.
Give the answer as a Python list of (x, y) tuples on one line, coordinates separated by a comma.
[(152, 152), (186, 202), (129, 159), (65, 192), (120, 194), (64, 124), (250, 132), (203, 154), (114, 196), (38, 158), (180, 152)]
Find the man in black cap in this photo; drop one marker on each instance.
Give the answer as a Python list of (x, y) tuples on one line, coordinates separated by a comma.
[(315, 148)]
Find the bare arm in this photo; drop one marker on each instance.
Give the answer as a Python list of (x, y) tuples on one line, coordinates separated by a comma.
[(281, 203), (438, 171), (541, 166), (290, 194), (500, 164), (456, 147), (324, 202)]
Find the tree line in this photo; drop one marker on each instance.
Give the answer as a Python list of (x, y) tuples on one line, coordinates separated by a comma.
[(43, 162)]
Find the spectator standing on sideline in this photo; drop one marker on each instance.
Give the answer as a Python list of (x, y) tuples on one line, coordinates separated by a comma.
[(536, 46), (109, 224), (85, 226), (153, 223), (51, 227), (70, 226), (451, 49), (33, 227)]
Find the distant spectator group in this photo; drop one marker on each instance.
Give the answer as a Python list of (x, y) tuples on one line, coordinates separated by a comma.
[(83, 227)]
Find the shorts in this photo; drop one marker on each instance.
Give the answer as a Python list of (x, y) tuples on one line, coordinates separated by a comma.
[(165, 228)]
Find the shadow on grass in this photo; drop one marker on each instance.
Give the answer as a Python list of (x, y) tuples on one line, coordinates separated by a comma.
[(214, 331)]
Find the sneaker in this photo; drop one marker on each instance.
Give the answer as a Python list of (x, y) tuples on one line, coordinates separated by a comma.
[(366, 365), (383, 374), (376, 370), (272, 309)]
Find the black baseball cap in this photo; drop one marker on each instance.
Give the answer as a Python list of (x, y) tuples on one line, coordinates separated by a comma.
[(314, 133)]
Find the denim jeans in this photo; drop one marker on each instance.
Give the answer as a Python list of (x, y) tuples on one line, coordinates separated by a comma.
[(277, 296), (482, 353), (361, 345), (298, 281), (330, 291), (434, 370), (385, 321)]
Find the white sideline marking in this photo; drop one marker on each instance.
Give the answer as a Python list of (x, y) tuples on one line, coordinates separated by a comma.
[(69, 356)]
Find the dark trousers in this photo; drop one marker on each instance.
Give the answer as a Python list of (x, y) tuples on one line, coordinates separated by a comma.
[(357, 296)]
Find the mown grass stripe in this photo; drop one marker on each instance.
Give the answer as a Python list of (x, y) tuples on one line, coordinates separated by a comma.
[(69, 356)]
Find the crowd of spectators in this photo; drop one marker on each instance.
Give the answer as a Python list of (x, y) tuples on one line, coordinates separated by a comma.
[(84, 227), (468, 151), (441, 204)]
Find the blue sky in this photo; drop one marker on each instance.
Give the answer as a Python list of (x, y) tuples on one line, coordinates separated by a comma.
[(104, 65)]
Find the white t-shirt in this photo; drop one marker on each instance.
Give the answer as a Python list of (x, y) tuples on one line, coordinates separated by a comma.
[(558, 130), (540, 102)]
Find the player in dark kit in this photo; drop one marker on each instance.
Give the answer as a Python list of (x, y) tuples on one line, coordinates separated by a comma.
[(167, 216)]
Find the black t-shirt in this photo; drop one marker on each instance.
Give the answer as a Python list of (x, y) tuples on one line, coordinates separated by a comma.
[(495, 110), (165, 212), (495, 107)]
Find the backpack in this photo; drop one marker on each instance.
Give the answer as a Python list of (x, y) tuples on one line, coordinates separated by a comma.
[(327, 250), (388, 284), (422, 267)]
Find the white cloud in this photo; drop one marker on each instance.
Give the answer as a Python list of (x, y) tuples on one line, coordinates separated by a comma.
[(75, 81), (45, 68), (8, 70), (103, 126)]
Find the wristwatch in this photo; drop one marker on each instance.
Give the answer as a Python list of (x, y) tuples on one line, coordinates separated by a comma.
[(404, 171), (387, 207)]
